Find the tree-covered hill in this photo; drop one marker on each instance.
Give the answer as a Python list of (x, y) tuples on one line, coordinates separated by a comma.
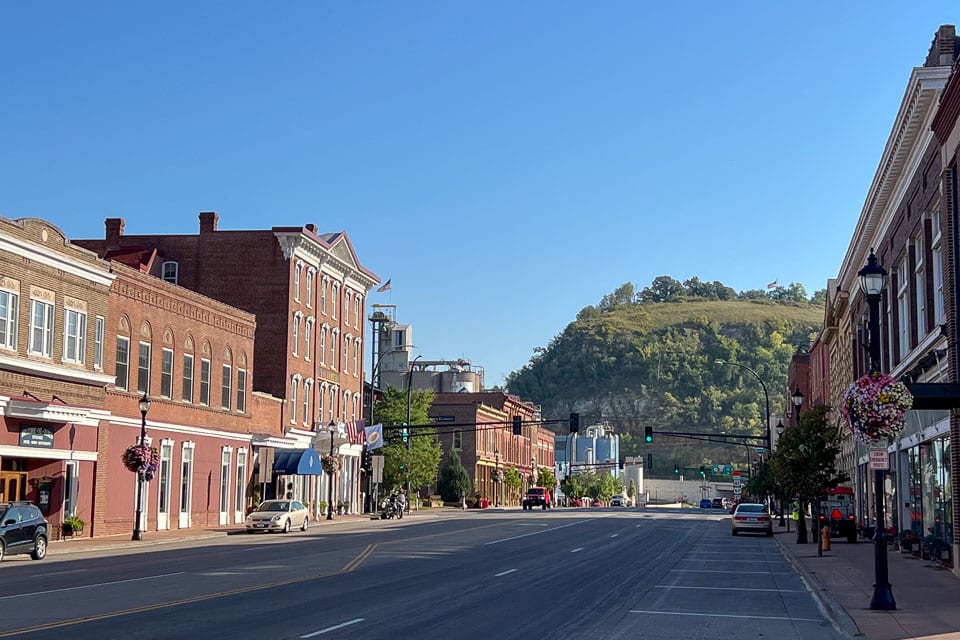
[(635, 361)]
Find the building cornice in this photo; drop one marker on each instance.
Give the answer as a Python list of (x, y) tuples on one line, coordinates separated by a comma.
[(97, 274), (54, 372)]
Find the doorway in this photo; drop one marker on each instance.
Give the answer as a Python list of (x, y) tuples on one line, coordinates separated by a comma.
[(12, 485)]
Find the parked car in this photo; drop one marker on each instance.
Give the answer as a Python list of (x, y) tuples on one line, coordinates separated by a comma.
[(618, 501), (278, 515), (717, 503), (706, 503), (749, 516), (23, 529)]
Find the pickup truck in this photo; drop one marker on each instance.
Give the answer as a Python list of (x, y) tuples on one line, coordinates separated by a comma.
[(536, 496)]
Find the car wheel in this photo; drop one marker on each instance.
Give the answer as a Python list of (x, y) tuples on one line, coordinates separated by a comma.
[(733, 531), (306, 519), (39, 548), (250, 531), (286, 526), (3, 549)]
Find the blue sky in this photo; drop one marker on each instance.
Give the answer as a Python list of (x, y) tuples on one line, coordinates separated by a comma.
[(505, 164)]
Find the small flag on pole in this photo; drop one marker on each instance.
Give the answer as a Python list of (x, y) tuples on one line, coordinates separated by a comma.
[(355, 431), (384, 287), (772, 285), (374, 436)]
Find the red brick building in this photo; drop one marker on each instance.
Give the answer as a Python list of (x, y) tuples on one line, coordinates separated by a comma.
[(307, 292)]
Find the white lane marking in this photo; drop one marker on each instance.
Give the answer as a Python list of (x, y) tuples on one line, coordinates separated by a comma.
[(57, 573), (333, 628), (577, 549), (674, 586), (503, 573), (615, 535), (90, 586), (762, 573), (737, 561), (726, 615), (212, 574), (534, 533)]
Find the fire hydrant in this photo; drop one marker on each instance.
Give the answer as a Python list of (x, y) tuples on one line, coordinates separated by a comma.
[(825, 537)]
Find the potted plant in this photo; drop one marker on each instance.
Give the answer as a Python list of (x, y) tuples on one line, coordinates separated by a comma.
[(72, 526)]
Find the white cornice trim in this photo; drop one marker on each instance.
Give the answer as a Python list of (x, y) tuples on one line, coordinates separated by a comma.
[(13, 451), (295, 243), (56, 260), (55, 372), (123, 421)]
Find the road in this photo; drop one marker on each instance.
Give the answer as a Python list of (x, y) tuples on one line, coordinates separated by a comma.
[(576, 573)]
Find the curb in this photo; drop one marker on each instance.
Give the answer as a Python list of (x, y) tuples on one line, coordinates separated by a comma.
[(832, 609), (66, 548)]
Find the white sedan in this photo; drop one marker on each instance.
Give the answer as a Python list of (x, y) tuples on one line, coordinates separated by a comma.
[(278, 515)]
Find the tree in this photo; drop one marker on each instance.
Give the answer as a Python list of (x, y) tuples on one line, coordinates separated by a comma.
[(575, 486), (631, 490), (819, 297), (513, 482), (454, 483), (805, 462), (545, 478), (418, 460)]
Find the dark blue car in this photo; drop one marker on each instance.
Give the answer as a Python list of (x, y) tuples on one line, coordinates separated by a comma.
[(706, 503)]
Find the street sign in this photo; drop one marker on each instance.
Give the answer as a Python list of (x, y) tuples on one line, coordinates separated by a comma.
[(879, 460)]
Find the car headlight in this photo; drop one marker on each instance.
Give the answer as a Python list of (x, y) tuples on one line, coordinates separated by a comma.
[(277, 517)]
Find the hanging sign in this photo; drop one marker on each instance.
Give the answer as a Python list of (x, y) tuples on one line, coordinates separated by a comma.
[(879, 460)]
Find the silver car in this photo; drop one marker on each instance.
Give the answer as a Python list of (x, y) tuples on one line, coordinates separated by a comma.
[(278, 515), (749, 516)]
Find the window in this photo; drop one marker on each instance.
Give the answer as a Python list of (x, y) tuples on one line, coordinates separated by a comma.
[(333, 401), (346, 306), (163, 487), (143, 368), (458, 440), (308, 331), (323, 295), (357, 310), (294, 387), (204, 382), (226, 389), (307, 390), (323, 344), (310, 275), (936, 258), (334, 339), (166, 373), (296, 281), (356, 358), (333, 299), (41, 328), (320, 400), (345, 405), (903, 309), (98, 343), (186, 481), (123, 362), (74, 335), (70, 487), (296, 332), (225, 455), (9, 310), (242, 390), (240, 492), (187, 377), (919, 290), (170, 271)]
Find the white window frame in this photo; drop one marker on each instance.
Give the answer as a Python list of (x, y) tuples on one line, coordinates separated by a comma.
[(74, 336), (205, 371), (143, 374), (10, 303), (170, 271), (98, 336), (346, 404), (920, 288), (307, 342), (42, 334), (311, 274), (71, 488), (294, 388), (323, 344), (347, 300), (331, 410), (458, 439), (903, 309), (186, 484), (166, 373), (240, 491), (936, 257), (164, 477), (226, 386), (321, 400), (296, 280), (241, 390), (307, 391), (358, 310), (324, 284), (187, 390), (125, 364), (296, 333), (334, 343), (226, 479), (334, 294), (356, 358)]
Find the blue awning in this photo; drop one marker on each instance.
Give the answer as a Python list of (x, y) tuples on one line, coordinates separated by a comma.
[(297, 462)]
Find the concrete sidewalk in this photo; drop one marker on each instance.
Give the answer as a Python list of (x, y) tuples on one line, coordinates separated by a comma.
[(926, 593)]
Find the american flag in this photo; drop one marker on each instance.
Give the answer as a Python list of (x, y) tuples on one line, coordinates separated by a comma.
[(355, 431)]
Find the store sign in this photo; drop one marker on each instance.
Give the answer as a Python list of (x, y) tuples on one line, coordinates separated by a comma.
[(31, 436), (879, 460)]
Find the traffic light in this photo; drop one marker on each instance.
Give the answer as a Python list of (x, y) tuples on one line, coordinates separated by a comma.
[(703, 471), (517, 424), (648, 434), (676, 469), (574, 422), (405, 432)]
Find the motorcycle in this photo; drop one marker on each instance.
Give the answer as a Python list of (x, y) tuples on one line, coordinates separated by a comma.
[(391, 507)]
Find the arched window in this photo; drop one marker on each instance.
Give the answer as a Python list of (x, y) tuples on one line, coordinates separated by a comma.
[(296, 280), (296, 331), (294, 387)]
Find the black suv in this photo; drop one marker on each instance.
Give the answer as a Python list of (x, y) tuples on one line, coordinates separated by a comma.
[(23, 529)]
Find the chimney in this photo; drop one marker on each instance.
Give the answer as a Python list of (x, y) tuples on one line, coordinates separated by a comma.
[(208, 221), (114, 230), (944, 48), (311, 227)]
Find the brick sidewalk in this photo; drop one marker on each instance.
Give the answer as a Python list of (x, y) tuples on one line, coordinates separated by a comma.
[(927, 595)]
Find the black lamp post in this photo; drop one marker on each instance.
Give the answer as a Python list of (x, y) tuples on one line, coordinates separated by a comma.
[(783, 506), (797, 397), (144, 407), (871, 283), (406, 430), (332, 428)]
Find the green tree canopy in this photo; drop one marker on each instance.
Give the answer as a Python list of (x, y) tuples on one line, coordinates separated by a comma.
[(454, 483), (417, 460)]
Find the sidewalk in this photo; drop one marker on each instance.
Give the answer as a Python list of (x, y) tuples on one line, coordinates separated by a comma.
[(927, 595)]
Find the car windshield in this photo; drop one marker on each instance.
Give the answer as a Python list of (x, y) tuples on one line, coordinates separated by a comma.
[(274, 506), (751, 508)]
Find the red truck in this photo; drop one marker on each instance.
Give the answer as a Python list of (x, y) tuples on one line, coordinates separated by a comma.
[(536, 496), (837, 511)]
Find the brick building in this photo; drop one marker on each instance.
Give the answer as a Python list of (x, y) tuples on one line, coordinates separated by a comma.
[(307, 291), (53, 312)]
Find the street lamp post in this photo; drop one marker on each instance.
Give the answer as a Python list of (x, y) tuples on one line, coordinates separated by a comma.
[(144, 407), (783, 506), (797, 398), (766, 396), (407, 465), (332, 428), (871, 283)]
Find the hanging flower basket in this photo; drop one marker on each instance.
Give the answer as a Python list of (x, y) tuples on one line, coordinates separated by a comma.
[(331, 464), (875, 406), (140, 458)]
